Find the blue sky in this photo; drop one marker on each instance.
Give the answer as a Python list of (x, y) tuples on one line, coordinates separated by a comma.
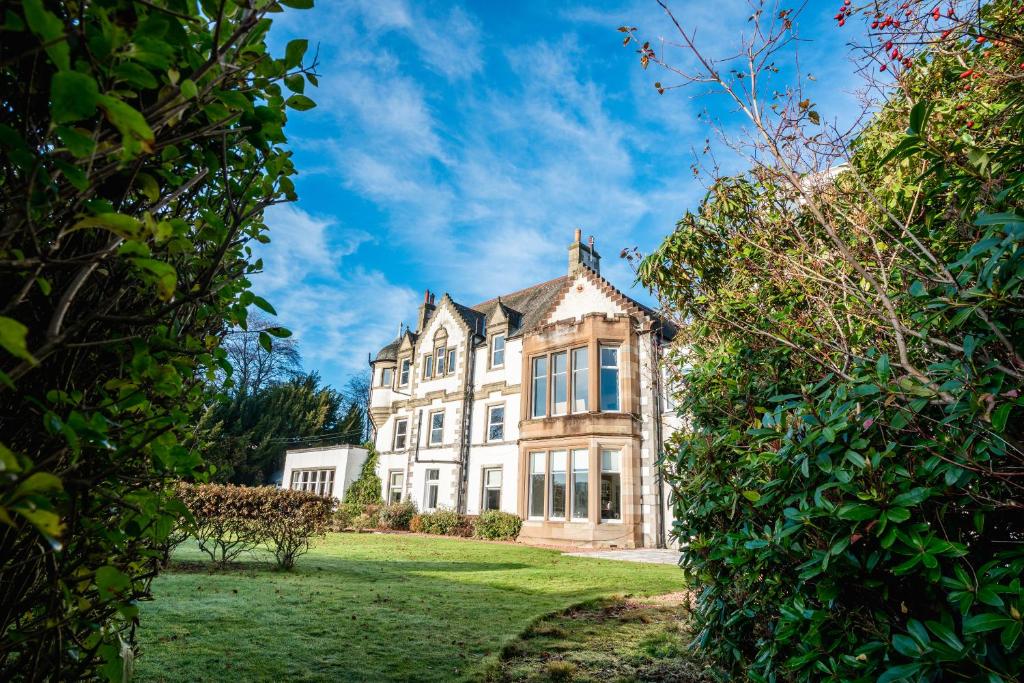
[(456, 147)]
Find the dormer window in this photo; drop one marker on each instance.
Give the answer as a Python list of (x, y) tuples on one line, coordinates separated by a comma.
[(403, 376), (498, 351)]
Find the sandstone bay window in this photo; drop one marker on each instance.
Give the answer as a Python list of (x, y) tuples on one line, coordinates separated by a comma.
[(496, 423), (556, 496), (492, 489), (436, 428), (611, 485), (401, 434), (428, 366), (580, 484), (433, 477), (559, 383), (609, 378), (320, 482), (537, 471), (540, 386), (396, 480), (580, 381), (498, 351), (403, 376)]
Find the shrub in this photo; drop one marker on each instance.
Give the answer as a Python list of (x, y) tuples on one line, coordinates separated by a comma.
[(341, 518), (498, 526), (397, 516), (128, 229), (366, 489), (416, 524), (446, 522), (230, 520)]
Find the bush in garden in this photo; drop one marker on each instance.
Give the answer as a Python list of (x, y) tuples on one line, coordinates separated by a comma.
[(341, 518), (496, 525), (230, 520), (446, 522), (396, 516), (366, 489), (125, 251), (416, 524), (852, 366)]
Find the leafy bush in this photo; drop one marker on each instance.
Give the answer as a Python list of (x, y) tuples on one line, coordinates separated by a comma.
[(366, 489), (851, 365), (416, 524), (396, 516), (229, 520), (140, 143), (341, 519), (446, 522), (497, 525)]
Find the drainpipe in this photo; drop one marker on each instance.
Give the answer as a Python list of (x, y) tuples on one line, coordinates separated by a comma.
[(467, 423), (660, 517)]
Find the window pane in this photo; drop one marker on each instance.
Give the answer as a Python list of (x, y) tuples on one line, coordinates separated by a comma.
[(403, 378), (559, 383), (492, 499), (611, 485), (580, 381), (498, 350), (431, 496), (436, 427), (557, 509), (387, 377), (493, 477), (451, 360), (537, 484), (496, 423), (428, 366), (433, 475), (540, 386), (580, 484), (609, 378), (440, 360)]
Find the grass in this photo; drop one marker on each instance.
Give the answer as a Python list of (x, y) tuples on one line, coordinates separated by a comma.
[(369, 607), (605, 640)]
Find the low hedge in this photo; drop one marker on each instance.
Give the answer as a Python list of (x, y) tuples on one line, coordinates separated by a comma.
[(229, 520), (396, 516), (446, 522), (495, 525)]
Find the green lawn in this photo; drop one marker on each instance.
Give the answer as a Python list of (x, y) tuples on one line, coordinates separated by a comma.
[(369, 607)]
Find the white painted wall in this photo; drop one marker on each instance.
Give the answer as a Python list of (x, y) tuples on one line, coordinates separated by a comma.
[(347, 461), (583, 298)]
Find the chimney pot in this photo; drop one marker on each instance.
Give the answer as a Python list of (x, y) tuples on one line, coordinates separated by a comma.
[(591, 242), (579, 234)]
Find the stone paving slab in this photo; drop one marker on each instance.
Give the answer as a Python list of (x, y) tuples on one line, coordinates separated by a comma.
[(648, 555)]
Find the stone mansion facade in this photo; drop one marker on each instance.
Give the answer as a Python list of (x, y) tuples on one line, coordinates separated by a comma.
[(546, 402)]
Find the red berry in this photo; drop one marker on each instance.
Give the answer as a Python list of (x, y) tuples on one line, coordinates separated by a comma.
[(842, 22), (981, 39), (882, 68), (967, 74), (970, 124)]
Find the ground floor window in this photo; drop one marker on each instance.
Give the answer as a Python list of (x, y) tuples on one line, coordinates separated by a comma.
[(611, 485), (537, 484), (492, 489), (320, 482), (396, 481), (556, 497), (430, 494), (580, 484)]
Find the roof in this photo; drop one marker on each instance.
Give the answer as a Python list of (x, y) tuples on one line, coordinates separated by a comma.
[(389, 352)]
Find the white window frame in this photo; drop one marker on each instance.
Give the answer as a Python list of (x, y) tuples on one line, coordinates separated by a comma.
[(387, 377), (575, 372), (440, 429), (573, 470), (428, 366), (495, 350), (491, 423), (485, 486), (318, 480), (452, 356), (431, 483), (540, 457), (553, 514), (553, 382), (393, 487), (403, 374), (404, 434), (618, 377), (534, 379), (439, 356)]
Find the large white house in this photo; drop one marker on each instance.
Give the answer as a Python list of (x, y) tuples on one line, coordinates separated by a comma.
[(546, 402)]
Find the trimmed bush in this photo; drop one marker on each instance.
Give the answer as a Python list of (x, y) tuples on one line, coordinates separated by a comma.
[(366, 489), (495, 525), (446, 522), (229, 520), (396, 516), (416, 524)]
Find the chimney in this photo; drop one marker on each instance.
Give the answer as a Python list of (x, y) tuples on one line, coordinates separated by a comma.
[(426, 308), (583, 255)]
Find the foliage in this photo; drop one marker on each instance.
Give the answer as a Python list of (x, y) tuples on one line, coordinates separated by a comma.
[(228, 521), (396, 516), (366, 490), (423, 608), (497, 526), (416, 524), (445, 522), (245, 436), (851, 366), (140, 143)]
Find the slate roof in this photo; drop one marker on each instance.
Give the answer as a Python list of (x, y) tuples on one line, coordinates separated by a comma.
[(389, 352)]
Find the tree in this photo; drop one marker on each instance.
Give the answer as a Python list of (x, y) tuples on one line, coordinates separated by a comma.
[(141, 143), (255, 362), (850, 358)]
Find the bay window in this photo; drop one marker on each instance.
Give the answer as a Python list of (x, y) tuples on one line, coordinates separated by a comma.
[(540, 386), (387, 377), (536, 493), (580, 381), (559, 383)]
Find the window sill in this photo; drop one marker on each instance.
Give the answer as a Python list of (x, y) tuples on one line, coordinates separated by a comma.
[(610, 521)]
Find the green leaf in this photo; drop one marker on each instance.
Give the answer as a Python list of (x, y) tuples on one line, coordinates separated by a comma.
[(295, 83), (45, 522), (857, 512), (263, 304), (50, 30), (906, 646), (300, 102), (279, 332), (136, 75), (8, 460), (945, 634), (117, 223), (1005, 218), (165, 277), (918, 117), (882, 366), (111, 582), (297, 4), (13, 338), (912, 497), (1000, 416), (294, 52), (752, 496), (266, 342), (189, 89), (815, 117), (126, 118), (986, 622), (78, 141), (72, 96), (39, 482)]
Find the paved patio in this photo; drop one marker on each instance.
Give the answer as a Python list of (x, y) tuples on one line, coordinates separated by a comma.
[(648, 555)]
